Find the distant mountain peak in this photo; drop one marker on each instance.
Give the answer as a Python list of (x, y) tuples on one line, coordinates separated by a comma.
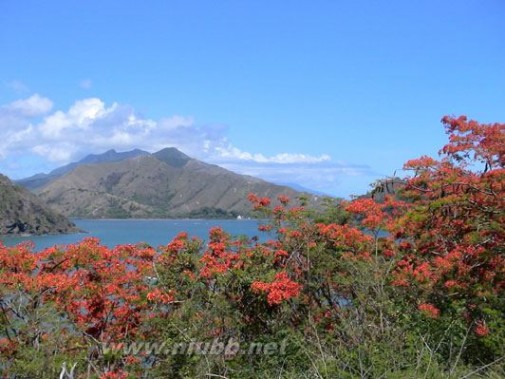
[(40, 180), (172, 156), (112, 156), (167, 183)]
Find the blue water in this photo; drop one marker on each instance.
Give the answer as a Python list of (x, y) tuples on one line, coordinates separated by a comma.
[(153, 232)]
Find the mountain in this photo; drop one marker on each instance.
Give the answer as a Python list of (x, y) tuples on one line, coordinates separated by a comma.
[(40, 180), (167, 183), (23, 212)]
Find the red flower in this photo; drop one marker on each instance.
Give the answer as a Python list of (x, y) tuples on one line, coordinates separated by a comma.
[(283, 199), (451, 284), (265, 228), (429, 310), (120, 374), (282, 288), (481, 329), (264, 202), (156, 295), (281, 253), (258, 202)]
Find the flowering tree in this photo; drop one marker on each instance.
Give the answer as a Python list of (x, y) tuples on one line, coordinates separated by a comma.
[(412, 285)]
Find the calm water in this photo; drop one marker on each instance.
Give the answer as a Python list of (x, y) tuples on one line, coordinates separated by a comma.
[(153, 232)]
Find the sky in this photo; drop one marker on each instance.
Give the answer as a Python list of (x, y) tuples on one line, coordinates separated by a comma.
[(330, 95)]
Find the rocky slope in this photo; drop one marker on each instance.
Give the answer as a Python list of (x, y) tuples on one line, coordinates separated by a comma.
[(164, 184), (21, 212)]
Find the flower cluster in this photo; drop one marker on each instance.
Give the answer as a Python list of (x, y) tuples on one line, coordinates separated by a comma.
[(429, 310), (282, 288)]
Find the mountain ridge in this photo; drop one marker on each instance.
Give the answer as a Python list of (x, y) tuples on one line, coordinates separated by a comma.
[(39, 180), (165, 184)]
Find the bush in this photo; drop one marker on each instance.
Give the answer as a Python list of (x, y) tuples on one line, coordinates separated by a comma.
[(411, 286)]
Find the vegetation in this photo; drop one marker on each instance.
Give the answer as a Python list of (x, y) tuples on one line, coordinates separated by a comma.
[(211, 212), (410, 288)]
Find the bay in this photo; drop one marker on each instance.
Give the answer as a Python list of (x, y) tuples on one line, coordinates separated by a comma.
[(132, 231)]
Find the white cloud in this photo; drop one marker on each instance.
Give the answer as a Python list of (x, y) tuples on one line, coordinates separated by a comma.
[(33, 106), (232, 153), (81, 117), (90, 126), (54, 154), (83, 112), (29, 133)]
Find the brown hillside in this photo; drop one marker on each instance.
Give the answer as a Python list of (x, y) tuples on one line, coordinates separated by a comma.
[(164, 184)]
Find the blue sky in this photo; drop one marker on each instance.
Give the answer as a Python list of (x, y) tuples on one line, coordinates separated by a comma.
[(331, 95)]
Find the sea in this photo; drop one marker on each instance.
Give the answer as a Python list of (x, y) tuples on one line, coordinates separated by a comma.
[(133, 231)]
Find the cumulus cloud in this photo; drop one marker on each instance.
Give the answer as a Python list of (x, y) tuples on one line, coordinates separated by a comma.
[(32, 133), (79, 117), (91, 126), (33, 106)]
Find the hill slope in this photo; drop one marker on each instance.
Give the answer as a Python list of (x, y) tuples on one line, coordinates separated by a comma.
[(39, 180), (164, 184), (22, 212)]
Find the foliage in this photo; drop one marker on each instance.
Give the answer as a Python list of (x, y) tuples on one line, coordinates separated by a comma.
[(211, 212), (360, 289)]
